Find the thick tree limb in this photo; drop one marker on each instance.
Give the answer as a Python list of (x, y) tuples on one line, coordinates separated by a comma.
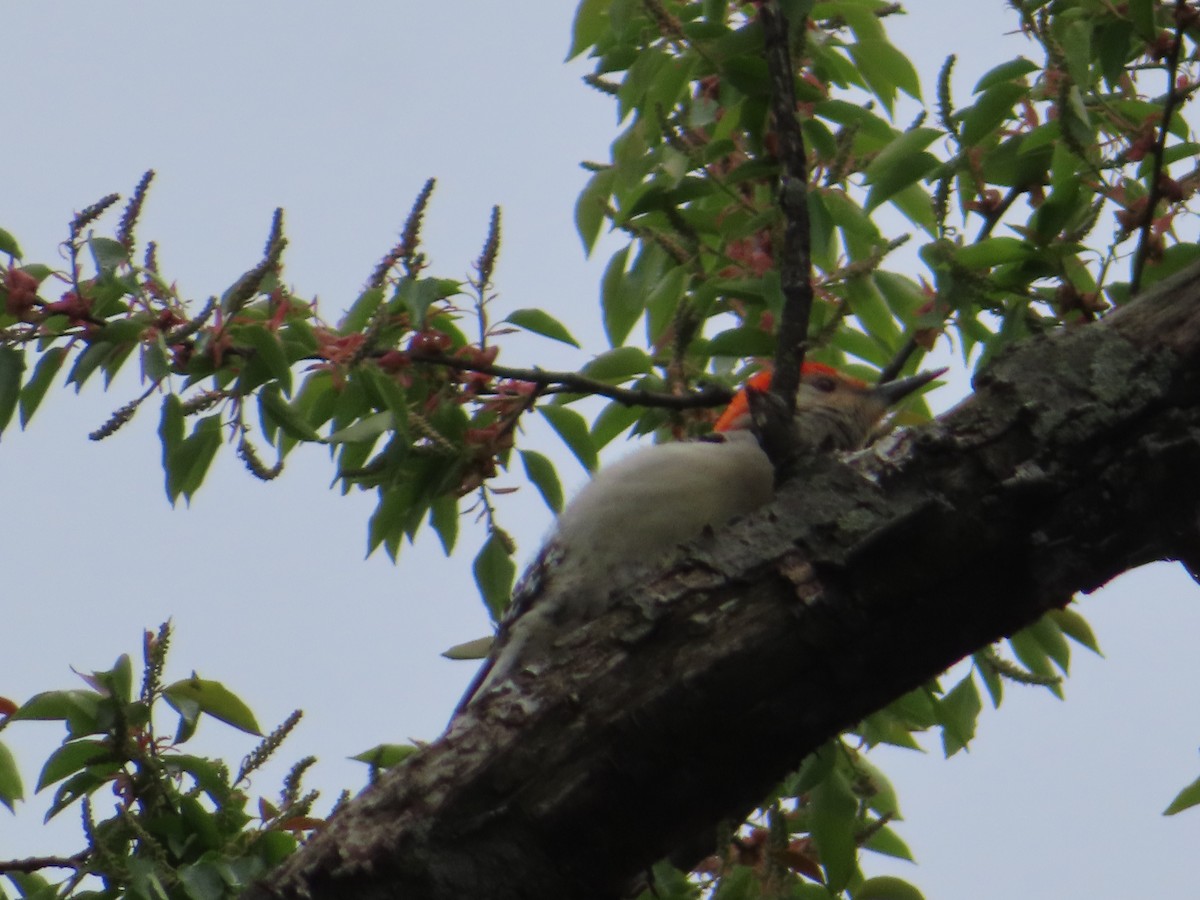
[(1075, 460)]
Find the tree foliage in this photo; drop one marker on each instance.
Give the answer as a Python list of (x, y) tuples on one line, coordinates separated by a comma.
[(1056, 191)]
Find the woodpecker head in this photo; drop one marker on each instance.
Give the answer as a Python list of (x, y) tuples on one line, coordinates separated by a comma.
[(833, 410)]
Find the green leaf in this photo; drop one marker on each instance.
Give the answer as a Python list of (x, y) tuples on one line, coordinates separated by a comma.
[(541, 322), (991, 678), (276, 411), (495, 572), (872, 312), (1012, 70), (621, 364), (614, 419), (170, 433), (107, 254), (742, 342), (192, 458), (70, 758), (1174, 259), (417, 296), (10, 777), (993, 251), (847, 215), (203, 881), (117, 681), (573, 430), (885, 69), (540, 470), (1050, 637), (900, 164), (270, 351), (877, 791), (1075, 40), (1076, 628), (1032, 655), (620, 301), (79, 709), (817, 766), (1141, 13), (80, 785), (885, 727), (213, 698), (397, 507), (360, 313), (9, 245), (368, 429), (959, 712), (478, 648), (273, 847), (43, 375), (834, 809), (915, 203), (823, 235), (12, 365), (917, 708), (384, 756), (592, 207), (887, 887), (591, 21), (443, 516), (210, 775), (88, 362), (887, 842), (155, 363), (995, 106), (1185, 799), (662, 303), (738, 883)]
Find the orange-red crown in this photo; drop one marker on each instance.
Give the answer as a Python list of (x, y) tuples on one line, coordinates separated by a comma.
[(739, 406)]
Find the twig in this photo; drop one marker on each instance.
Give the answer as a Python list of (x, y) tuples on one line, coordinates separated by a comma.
[(992, 218), (712, 395), (1160, 147), (36, 863)]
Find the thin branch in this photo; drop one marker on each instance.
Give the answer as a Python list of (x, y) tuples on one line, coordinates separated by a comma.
[(992, 218), (711, 395), (1160, 147), (37, 863), (795, 268)]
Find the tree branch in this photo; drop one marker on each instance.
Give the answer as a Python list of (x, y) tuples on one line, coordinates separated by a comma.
[(1170, 104), (1072, 463), (795, 266), (711, 395), (36, 863)]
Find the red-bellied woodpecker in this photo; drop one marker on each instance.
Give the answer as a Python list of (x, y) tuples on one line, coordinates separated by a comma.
[(634, 512)]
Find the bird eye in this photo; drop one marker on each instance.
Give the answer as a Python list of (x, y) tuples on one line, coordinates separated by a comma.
[(824, 383)]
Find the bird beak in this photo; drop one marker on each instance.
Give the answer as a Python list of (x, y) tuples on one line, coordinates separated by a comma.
[(892, 392)]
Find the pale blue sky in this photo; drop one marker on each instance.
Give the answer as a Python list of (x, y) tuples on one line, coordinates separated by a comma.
[(338, 112)]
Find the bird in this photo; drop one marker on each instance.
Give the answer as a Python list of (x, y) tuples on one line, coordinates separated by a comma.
[(634, 512)]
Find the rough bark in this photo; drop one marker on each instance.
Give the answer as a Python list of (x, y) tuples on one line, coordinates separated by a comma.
[(1074, 461)]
